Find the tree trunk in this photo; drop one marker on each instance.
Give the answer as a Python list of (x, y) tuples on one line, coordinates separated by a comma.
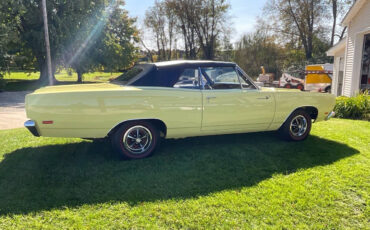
[(342, 34), (79, 76), (334, 5), (309, 47), (44, 78)]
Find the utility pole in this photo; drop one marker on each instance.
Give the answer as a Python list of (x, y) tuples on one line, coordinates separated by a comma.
[(47, 42)]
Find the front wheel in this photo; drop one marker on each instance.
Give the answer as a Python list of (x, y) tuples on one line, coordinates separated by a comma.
[(136, 140), (297, 126)]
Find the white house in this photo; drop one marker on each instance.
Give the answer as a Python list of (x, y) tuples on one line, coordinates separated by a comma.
[(352, 54)]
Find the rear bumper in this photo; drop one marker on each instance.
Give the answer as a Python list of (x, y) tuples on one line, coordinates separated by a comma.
[(331, 114), (31, 126)]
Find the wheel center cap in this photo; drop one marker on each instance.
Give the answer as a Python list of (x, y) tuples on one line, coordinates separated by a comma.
[(138, 140)]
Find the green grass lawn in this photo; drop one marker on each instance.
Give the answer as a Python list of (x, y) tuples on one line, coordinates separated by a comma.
[(229, 181), (18, 81)]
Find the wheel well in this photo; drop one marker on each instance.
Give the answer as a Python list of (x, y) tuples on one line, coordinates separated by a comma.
[(312, 111), (156, 122)]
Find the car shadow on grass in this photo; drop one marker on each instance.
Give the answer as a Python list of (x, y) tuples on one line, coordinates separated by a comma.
[(70, 175)]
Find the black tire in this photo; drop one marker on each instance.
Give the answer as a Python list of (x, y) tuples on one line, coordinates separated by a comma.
[(300, 87), (297, 127), (328, 89), (129, 145), (288, 86)]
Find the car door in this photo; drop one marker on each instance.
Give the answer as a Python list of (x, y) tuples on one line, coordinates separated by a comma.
[(258, 104), (229, 105)]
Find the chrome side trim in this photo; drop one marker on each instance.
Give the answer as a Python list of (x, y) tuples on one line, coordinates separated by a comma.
[(29, 123), (31, 126), (138, 119), (331, 114), (299, 108)]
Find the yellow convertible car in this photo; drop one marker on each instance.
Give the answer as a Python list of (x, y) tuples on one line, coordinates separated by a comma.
[(173, 100)]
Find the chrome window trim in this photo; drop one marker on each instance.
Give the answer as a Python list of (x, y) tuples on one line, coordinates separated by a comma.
[(247, 77), (237, 74), (200, 78)]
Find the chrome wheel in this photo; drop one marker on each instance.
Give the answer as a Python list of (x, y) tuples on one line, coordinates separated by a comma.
[(298, 126), (137, 139)]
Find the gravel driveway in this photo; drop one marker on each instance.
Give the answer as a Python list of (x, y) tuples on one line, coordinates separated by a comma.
[(12, 112)]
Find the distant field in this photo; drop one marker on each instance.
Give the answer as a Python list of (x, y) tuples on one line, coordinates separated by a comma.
[(62, 76), (18, 81)]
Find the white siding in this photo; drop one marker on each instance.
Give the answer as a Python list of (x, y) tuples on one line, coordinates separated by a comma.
[(357, 27), (338, 66), (334, 82), (347, 78)]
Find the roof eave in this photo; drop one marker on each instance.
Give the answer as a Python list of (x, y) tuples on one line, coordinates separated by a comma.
[(336, 48), (357, 5)]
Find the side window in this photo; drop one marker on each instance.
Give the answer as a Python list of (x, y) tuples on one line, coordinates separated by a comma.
[(245, 81), (189, 79), (220, 78)]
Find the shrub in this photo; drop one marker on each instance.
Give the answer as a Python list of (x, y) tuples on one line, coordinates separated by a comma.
[(2, 82), (357, 107)]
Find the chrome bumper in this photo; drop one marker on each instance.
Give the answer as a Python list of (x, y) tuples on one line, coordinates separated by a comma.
[(31, 126), (331, 114)]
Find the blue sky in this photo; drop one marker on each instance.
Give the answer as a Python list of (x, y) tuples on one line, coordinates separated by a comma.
[(243, 13)]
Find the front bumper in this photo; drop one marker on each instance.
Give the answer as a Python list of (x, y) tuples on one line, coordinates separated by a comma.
[(331, 114), (31, 126)]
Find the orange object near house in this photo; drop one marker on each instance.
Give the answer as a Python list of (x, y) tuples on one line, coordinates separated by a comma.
[(318, 78)]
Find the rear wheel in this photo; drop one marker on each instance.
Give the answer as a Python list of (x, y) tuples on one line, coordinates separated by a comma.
[(300, 87), (297, 126), (288, 86), (136, 140)]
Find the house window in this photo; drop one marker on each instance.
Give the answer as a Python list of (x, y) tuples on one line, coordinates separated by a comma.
[(365, 67)]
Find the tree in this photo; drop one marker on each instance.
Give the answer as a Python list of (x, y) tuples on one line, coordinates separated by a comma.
[(201, 23), (75, 27), (8, 33), (334, 7), (301, 18), (184, 11), (209, 18), (106, 40), (338, 8), (258, 49), (8, 37), (161, 21)]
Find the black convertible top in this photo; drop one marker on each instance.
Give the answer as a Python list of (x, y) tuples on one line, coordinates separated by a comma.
[(166, 74)]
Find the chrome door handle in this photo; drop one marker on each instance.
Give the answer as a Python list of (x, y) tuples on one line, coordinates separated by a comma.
[(210, 97), (264, 98)]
